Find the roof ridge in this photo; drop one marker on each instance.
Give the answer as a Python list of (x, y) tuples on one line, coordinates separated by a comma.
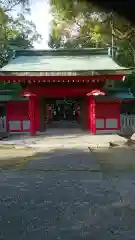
[(61, 51)]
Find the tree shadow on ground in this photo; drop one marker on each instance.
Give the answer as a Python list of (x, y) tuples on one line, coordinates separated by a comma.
[(68, 205), (115, 159), (71, 159), (54, 160), (63, 159)]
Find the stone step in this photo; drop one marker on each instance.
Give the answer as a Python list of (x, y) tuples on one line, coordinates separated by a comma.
[(63, 124)]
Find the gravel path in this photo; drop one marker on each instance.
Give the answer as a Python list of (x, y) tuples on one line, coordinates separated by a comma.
[(36, 203)]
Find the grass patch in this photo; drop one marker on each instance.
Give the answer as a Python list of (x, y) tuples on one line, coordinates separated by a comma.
[(15, 158), (7, 146), (13, 163), (23, 163)]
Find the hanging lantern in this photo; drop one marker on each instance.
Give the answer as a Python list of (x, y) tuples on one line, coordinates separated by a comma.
[(123, 79), (96, 92), (27, 94)]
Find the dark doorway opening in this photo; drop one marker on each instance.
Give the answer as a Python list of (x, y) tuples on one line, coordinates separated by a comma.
[(63, 113)]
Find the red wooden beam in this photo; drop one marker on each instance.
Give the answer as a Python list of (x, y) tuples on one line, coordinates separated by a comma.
[(61, 78), (60, 91)]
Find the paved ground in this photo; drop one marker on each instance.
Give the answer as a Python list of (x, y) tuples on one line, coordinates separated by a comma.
[(53, 138), (67, 195)]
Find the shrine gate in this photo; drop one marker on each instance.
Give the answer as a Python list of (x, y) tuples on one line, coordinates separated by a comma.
[(49, 75)]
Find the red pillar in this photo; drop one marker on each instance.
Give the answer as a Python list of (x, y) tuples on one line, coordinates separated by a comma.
[(32, 107), (91, 114)]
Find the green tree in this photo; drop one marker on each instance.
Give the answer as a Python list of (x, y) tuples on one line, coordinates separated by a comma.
[(15, 33), (76, 24), (79, 24), (9, 5)]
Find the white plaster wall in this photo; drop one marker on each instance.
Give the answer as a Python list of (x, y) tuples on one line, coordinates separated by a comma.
[(110, 123), (26, 124), (16, 125), (99, 123)]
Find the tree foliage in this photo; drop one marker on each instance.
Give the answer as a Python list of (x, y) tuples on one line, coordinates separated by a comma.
[(9, 5), (15, 32), (81, 24)]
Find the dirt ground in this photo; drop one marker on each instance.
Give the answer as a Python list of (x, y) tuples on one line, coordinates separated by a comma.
[(118, 158), (11, 157)]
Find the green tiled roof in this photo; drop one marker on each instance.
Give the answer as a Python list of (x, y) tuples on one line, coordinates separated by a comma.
[(62, 60), (123, 96), (5, 98), (10, 95), (119, 94)]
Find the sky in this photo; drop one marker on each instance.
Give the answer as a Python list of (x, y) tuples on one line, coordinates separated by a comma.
[(40, 15)]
